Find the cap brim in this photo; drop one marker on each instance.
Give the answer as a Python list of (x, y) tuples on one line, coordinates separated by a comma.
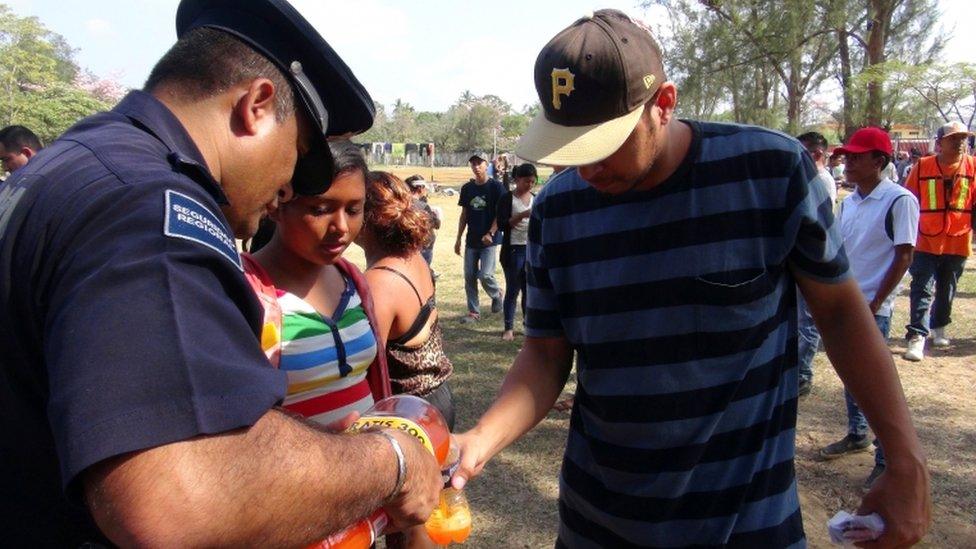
[(963, 132), (853, 149), (546, 142)]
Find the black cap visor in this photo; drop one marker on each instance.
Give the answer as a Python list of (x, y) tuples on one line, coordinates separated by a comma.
[(314, 170)]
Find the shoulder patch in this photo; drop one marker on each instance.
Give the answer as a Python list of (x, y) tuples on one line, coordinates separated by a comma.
[(188, 219)]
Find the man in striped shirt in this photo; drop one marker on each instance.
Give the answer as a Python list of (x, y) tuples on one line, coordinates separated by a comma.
[(668, 261)]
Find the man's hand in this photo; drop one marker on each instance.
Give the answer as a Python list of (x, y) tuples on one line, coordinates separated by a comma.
[(457, 247), (901, 496), (487, 239), (474, 456), (421, 490), (875, 306)]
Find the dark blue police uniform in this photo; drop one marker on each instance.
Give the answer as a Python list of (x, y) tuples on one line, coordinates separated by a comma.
[(126, 323)]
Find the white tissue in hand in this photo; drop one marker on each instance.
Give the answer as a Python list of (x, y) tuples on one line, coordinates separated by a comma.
[(846, 528)]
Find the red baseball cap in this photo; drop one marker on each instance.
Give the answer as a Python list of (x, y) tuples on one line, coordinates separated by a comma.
[(867, 140)]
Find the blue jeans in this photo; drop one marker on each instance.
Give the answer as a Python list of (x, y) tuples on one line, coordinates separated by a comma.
[(514, 267), (934, 279), (808, 338), (857, 424), (479, 264)]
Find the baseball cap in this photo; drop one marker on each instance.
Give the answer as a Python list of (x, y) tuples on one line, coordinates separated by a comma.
[(327, 90), (479, 156), (416, 181), (523, 170), (866, 140), (952, 128), (593, 80)]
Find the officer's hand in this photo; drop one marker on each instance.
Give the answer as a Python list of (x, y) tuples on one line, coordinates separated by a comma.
[(901, 496), (421, 490), (457, 247)]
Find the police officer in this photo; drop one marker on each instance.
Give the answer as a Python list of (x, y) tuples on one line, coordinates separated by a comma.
[(136, 405)]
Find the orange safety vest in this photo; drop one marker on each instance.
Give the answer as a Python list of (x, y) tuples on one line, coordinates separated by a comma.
[(946, 209)]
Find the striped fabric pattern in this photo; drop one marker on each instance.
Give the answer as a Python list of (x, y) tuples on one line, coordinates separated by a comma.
[(321, 387), (681, 306)]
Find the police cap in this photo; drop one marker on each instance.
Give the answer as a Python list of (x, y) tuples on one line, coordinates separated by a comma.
[(335, 101)]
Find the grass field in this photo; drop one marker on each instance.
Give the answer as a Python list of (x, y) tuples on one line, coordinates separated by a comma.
[(514, 500)]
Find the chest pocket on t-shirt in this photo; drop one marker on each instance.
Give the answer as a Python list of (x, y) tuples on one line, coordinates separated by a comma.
[(731, 288), (735, 311)]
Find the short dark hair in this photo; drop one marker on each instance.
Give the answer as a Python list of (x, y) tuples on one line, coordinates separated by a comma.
[(206, 62), (348, 157), (813, 138), (14, 138)]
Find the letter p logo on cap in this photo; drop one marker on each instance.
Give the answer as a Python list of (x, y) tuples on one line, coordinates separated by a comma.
[(562, 84)]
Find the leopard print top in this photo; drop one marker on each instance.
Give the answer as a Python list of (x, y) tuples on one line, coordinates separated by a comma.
[(419, 370)]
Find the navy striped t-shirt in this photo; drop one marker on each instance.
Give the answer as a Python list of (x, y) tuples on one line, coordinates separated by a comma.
[(680, 304)]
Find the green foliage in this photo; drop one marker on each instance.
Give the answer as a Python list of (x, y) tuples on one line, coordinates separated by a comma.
[(37, 78), (472, 123), (763, 61)]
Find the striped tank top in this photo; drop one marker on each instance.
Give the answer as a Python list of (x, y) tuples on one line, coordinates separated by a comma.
[(326, 358)]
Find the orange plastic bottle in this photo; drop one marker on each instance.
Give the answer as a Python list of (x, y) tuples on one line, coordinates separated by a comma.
[(412, 415), (451, 520)]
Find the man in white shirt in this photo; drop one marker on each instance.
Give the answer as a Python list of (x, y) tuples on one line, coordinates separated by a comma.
[(808, 336), (879, 223)]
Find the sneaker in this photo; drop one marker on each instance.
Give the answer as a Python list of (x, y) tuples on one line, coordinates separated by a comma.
[(496, 303), (916, 349), (875, 473), (470, 317), (939, 338), (806, 385), (847, 445)]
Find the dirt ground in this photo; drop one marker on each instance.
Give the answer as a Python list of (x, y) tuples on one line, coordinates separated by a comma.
[(514, 501)]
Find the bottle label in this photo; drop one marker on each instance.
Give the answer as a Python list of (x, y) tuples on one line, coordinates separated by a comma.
[(370, 423)]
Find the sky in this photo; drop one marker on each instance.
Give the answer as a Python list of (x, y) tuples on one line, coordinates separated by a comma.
[(424, 52)]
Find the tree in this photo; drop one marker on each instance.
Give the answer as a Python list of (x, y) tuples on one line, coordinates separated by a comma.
[(949, 90), (39, 79), (903, 30), (474, 121)]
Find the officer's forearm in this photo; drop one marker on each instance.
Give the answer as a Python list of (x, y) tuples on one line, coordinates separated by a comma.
[(279, 483)]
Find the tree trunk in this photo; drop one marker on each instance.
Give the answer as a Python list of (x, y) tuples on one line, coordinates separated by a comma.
[(879, 18), (845, 83)]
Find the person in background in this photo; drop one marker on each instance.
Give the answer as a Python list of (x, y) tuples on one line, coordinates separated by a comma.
[(402, 284), (807, 334), (419, 188), (944, 186), (479, 201), (879, 224), (903, 164), (837, 168), (513, 213), (17, 146)]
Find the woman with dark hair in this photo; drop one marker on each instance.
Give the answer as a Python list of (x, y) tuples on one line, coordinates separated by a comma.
[(513, 213), (319, 321), (393, 236)]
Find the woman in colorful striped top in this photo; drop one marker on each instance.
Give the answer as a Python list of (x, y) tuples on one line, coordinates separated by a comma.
[(327, 341)]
